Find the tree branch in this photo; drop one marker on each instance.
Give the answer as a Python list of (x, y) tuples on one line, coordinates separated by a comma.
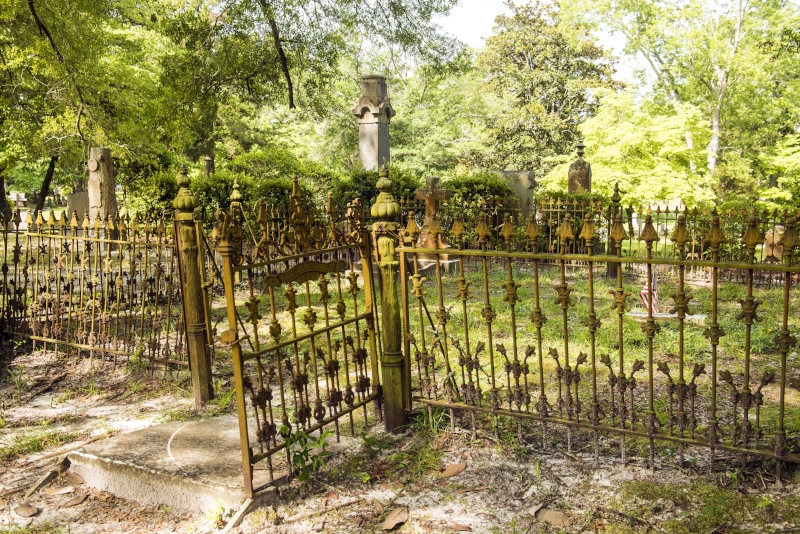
[(273, 25), (43, 30)]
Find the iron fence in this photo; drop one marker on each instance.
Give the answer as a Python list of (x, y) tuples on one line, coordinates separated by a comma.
[(104, 289), (495, 337), (301, 327)]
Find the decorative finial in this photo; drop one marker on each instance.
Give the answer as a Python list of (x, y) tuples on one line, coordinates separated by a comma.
[(236, 196), (385, 207), (616, 197), (185, 200), (581, 146)]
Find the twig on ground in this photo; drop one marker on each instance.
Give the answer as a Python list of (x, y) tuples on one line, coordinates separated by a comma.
[(309, 515)]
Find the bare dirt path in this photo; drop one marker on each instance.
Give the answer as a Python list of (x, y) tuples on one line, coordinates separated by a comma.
[(430, 479)]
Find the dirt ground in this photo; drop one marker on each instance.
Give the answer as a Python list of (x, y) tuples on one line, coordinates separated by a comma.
[(433, 478)]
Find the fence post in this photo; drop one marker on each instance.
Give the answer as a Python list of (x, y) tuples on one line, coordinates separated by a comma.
[(191, 291), (384, 233), (613, 210)]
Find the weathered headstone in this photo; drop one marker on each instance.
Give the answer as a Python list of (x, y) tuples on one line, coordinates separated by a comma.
[(78, 202), (522, 182), (102, 187), (208, 166), (580, 173), (374, 113)]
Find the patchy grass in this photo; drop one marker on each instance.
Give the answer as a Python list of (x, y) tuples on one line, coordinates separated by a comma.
[(45, 527), (704, 506), (28, 443)]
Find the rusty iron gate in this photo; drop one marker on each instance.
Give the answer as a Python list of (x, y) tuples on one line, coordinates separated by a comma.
[(100, 289), (301, 326), (515, 322)]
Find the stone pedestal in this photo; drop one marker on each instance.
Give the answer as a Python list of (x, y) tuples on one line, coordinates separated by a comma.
[(102, 186), (374, 113)]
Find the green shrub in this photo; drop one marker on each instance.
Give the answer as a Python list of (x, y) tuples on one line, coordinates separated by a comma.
[(215, 191), (360, 183), (270, 163), (485, 184), (150, 195)]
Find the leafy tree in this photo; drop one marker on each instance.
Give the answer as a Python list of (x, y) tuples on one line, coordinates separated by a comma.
[(642, 148), (543, 74), (720, 56)]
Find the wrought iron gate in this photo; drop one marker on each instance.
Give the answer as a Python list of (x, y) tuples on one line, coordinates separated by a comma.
[(306, 296)]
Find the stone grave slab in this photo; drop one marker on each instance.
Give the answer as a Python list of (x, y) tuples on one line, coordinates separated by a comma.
[(192, 465)]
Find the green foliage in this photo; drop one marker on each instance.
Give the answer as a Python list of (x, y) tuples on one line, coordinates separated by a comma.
[(300, 447), (732, 62), (28, 443), (543, 72), (20, 381), (475, 185), (360, 183), (150, 195), (641, 147)]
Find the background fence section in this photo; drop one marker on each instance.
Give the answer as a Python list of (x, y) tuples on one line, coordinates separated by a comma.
[(522, 321), (102, 289)]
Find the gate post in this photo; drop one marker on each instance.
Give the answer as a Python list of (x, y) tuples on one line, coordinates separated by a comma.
[(191, 291), (384, 234)]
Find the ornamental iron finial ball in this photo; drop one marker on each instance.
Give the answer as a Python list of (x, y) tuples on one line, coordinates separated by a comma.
[(385, 207), (185, 201)]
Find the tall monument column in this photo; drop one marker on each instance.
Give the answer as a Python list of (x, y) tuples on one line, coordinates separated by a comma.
[(374, 113)]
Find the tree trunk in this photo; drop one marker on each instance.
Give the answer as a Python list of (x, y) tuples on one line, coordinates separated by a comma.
[(713, 144), (48, 178), (3, 195)]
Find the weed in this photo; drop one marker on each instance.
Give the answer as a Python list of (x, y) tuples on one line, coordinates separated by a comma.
[(34, 528), (20, 381), (223, 400), (299, 448), (217, 515), (91, 387)]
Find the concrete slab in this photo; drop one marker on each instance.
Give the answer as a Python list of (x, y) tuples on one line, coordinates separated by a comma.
[(192, 465)]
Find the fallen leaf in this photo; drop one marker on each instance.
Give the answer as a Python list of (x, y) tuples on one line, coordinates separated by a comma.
[(74, 479), (76, 501), (331, 496), (454, 469), (458, 527), (2, 503), (59, 491), (26, 510), (535, 508), (378, 506), (395, 517), (554, 517)]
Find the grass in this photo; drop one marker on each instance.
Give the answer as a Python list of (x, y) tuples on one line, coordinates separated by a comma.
[(45, 527), (29, 443), (703, 506)]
